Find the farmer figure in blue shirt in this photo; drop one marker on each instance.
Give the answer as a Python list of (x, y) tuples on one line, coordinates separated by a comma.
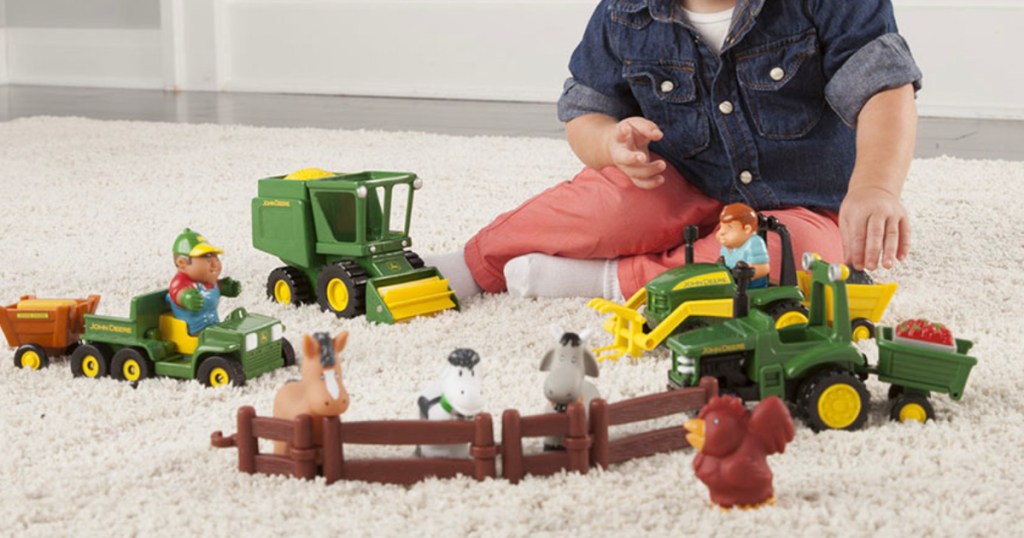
[(195, 290), (737, 233)]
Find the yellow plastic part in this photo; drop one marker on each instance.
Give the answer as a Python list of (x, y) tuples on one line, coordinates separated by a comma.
[(44, 304), (90, 366), (913, 411), (867, 301), (627, 324), (176, 331), (861, 333), (418, 297), (790, 319), (282, 292), (308, 174), (337, 294), (839, 406), (131, 370), (219, 377), (31, 360)]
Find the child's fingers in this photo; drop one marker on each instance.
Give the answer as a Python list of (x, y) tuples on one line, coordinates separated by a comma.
[(891, 242), (904, 248), (648, 183), (853, 245), (873, 243)]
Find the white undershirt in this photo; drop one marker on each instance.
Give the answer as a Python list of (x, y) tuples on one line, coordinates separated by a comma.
[(712, 27)]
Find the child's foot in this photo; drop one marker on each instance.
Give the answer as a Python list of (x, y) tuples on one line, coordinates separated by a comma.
[(453, 267), (540, 275)]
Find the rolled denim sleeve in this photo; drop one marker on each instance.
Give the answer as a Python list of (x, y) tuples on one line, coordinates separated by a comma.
[(863, 53), (597, 84)]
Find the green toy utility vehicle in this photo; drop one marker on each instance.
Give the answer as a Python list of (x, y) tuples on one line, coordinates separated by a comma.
[(815, 366), (152, 342), (337, 235)]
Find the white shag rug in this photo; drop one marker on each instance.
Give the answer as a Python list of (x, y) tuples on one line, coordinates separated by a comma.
[(92, 207)]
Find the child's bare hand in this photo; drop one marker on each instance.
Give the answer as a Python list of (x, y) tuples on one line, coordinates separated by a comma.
[(628, 150), (873, 224)]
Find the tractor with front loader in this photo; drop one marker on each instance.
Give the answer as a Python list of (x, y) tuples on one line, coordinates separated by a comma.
[(344, 240)]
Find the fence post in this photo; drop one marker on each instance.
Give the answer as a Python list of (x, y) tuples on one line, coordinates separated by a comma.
[(483, 450), (244, 440), (577, 443), (710, 386), (511, 446), (599, 432), (303, 449), (331, 450)]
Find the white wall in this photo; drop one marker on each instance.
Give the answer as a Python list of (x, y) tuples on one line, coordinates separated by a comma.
[(479, 49)]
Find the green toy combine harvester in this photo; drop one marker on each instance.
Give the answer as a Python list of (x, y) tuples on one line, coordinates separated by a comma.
[(336, 234)]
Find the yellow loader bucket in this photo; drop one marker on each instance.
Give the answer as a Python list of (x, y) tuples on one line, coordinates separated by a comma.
[(397, 298)]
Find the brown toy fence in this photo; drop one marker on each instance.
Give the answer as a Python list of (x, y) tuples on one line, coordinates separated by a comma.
[(585, 444), (305, 459)]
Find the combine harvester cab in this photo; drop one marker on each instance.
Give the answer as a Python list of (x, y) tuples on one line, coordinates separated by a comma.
[(343, 238)]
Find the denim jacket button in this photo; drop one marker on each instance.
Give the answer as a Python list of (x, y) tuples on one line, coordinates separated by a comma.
[(746, 177), (667, 86), (725, 107), (777, 73)]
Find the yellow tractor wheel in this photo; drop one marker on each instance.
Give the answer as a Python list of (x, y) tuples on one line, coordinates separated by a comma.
[(130, 364), (834, 399), (907, 407), (341, 289), (219, 371), (288, 286), (90, 361), (31, 356)]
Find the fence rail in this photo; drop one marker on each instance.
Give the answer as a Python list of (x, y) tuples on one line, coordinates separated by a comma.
[(586, 441)]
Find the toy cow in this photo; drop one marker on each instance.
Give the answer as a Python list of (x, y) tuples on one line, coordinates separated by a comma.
[(568, 364), (321, 391), (456, 395)]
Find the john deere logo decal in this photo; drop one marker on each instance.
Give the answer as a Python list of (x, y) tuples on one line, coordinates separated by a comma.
[(394, 266), (276, 203)]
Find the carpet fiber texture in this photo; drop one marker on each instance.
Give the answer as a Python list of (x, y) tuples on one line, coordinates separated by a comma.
[(92, 207)]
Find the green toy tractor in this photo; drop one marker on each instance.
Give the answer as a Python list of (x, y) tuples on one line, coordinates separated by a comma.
[(815, 365), (344, 240), (695, 295)]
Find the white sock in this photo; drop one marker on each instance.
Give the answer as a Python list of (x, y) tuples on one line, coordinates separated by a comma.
[(453, 267), (540, 275)]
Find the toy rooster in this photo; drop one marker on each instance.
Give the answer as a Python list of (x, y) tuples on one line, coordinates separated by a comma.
[(733, 446)]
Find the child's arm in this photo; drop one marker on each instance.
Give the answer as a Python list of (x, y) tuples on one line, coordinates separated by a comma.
[(600, 140), (872, 220)]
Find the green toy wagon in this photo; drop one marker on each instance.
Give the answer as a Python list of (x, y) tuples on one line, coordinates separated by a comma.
[(915, 371)]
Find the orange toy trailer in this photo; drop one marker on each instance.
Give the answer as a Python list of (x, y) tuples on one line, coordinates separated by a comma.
[(41, 328)]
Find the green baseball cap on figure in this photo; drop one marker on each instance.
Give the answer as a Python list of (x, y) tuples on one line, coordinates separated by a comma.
[(192, 244)]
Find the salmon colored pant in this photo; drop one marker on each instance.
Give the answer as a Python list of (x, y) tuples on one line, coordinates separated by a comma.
[(600, 214)]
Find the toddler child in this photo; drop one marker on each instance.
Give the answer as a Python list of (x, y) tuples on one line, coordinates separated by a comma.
[(802, 109)]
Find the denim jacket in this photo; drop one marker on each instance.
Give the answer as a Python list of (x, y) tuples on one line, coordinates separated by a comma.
[(771, 121)]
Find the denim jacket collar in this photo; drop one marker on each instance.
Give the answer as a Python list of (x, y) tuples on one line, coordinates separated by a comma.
[(671, 11)]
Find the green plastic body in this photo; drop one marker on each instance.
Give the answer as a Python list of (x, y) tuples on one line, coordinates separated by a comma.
[(226, 339), (714, 281), (311, 224), (921, 370), (772, 361)]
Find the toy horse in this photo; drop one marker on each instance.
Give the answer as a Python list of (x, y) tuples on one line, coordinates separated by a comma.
[(568, 364), (455, 396), (320, 392)]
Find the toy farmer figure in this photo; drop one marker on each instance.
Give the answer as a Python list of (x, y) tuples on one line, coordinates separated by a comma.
[(195, 291), (737, 233)]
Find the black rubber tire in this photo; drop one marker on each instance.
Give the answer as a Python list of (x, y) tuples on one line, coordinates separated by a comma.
[(894, 392), (904, 400), (298, 285), (44, 359), (816, 385), (780, 308), (137, 362), (228, 372), (287, 352), (98, 351), (414, 259), (865, 323), (353, 278)]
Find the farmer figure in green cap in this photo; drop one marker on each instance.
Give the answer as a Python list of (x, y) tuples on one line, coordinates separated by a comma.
[(195, 290)]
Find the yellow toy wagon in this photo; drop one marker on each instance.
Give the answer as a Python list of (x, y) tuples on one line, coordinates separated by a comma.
[(41, 328), (867, 303)]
